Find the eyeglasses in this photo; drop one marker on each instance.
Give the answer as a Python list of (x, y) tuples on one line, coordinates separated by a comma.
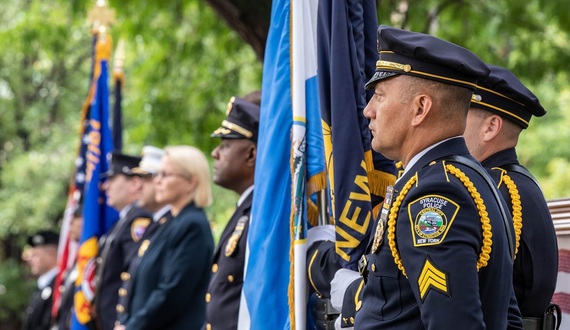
[(162, 174)]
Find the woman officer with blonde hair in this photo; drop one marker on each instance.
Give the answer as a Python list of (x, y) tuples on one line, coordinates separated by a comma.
[(171, 280)]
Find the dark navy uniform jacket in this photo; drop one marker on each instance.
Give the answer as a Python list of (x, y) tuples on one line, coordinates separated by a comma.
[(437, 239), (536, 264), (38, 312), (117, 251), (224, 291), (171, 280), (124, 291)]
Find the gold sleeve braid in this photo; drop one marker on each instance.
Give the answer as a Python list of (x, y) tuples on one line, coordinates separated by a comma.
[(485, 253), (516, 207)]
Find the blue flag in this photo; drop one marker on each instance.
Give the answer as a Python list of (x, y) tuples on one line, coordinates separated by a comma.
[(358, 177), (98, 217), (289, 167)]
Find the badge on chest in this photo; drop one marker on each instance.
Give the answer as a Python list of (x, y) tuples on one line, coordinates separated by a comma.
[(379, 233), (236, 235)]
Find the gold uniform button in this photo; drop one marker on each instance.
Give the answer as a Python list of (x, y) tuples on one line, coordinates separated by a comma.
[(214, 268), (208, 326), (230, 278), (358, 305), (373, 267), (120, 309), (208, 297), (125, 276), (122, 292)]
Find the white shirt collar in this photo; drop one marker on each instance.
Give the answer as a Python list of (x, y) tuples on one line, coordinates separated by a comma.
[(419, 155), (125, 210), (160, 213), (45, 279), (244, 195)]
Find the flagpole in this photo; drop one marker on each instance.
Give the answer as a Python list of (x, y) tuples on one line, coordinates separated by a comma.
[(97, 216), (322, 206)]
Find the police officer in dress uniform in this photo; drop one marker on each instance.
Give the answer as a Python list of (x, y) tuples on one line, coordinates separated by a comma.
[(43, 263), (148, 168), (500, 109), (171, 279), (63, 318), (234, 165), (119, 246), (442, 250)]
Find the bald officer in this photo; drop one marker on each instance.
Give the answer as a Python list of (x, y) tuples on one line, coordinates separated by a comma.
[(442, 250), (500, 109)]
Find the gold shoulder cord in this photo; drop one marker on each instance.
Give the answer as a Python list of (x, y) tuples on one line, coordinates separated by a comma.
[(484, 256), (517, 206)]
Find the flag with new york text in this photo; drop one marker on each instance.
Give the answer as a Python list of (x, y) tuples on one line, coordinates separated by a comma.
[(98, 217), (357, 176), (289, 167)]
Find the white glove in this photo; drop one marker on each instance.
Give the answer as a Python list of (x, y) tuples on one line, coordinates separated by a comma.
[(342, 279), (320, 233), (337, 324)]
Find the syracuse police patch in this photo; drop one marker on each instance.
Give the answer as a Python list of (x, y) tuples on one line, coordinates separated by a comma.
[(138, 228), (431, 217)]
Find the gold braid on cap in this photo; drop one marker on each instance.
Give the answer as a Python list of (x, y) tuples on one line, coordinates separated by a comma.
[(485, 253), (516, 205), (237, 128)]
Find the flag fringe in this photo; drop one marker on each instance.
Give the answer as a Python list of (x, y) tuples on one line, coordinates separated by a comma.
[(316, 183), (291, 287), (312, 213)]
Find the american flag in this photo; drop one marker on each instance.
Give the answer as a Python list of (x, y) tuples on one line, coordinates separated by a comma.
[(560, 210), (67, 249)]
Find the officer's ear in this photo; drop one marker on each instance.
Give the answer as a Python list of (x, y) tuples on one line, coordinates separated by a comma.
[(422, 105), (251, 154), (493, 125)]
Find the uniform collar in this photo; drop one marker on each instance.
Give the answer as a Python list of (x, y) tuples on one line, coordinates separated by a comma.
[(503, 157), (125, 210), (46, 278), (160, 213), (419, 155), (244, 195)]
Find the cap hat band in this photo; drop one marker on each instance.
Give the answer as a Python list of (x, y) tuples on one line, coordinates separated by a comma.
[(479, 87), (407, 68), (393, 65), (503, 111), (234, 127)]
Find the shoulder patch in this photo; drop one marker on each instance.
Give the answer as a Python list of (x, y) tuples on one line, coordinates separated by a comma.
[(431, 217), (138, 228), (432, 278)]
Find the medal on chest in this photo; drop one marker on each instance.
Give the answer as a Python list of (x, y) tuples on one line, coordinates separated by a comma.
[(380, 228), (234, 239)]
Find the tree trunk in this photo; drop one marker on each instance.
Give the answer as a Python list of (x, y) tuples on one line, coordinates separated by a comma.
[(249, 18)]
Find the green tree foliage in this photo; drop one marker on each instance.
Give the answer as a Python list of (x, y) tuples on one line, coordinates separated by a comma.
[(532, 39), (181, 68), (182, 65)]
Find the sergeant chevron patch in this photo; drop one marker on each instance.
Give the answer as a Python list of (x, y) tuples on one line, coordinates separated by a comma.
[(432, 278)]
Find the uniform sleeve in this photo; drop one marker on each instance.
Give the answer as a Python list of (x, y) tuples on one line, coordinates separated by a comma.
[(322, 264), (439, 241)]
